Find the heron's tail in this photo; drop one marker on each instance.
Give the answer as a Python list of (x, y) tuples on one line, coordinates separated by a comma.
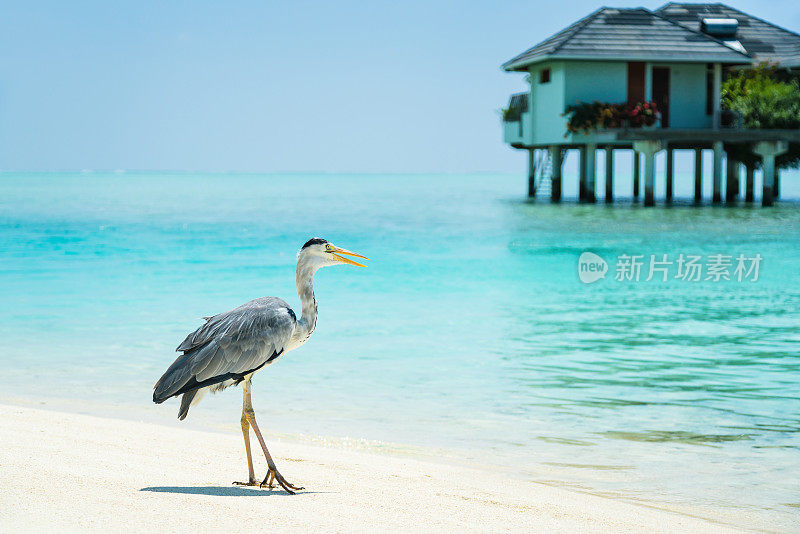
[(186, 402)]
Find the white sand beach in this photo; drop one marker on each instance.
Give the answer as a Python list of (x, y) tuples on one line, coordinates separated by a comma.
[(83, 473)]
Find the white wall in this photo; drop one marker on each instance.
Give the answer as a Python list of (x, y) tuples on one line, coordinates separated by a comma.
[(548, 98), (572, 82), (687, 96), (607, 81)]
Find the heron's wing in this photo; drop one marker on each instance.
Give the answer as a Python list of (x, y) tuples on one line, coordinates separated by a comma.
[(229, 346), (234, 323)]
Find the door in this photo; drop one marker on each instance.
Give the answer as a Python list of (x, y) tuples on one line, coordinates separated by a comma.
[(661, 93), (635, 82)]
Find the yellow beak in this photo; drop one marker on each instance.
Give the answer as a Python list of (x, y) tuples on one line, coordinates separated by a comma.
[(336, 251)]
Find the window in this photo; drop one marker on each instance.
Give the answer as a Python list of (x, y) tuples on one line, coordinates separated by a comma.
[(544, 76)]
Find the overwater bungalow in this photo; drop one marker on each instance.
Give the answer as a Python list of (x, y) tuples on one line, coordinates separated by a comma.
[(655, 77)]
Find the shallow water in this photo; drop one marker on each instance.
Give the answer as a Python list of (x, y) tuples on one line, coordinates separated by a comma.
[(470, 330)]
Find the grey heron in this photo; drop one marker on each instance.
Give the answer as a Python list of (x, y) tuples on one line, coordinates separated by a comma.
[(232, 346)]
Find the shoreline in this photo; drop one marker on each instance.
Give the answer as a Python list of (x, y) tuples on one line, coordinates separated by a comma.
[(83, 472)]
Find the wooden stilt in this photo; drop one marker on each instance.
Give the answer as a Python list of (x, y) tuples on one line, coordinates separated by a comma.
[(748, 184), (731, 180), (649, 179), (670, 174), (698, 175), (716, 197), (582, 174), (531, 173), (649, 150), (768, 165), (609, 174), (636, 168), (591, 173), (769, 150), (555, 158)]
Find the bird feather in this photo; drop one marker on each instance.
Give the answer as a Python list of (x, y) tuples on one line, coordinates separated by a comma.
[(229, 346)]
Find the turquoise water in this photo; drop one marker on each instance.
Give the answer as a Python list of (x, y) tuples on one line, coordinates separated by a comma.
[(470, 330)]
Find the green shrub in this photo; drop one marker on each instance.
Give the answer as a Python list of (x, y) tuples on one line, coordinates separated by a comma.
[(766, 100)]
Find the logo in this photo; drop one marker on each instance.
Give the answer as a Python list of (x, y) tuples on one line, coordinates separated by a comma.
[(591, 268)]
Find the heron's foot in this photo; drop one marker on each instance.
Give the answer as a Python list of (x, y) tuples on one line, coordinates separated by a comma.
[(269, 480), (252, 482), (274, 476)]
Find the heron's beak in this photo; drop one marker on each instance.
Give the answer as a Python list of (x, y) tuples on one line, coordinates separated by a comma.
[(336, 251)]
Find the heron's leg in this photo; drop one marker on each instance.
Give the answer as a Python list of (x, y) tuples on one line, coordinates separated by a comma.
[(273, 471), (251, 479)]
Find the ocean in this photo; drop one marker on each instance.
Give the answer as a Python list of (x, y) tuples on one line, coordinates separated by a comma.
[(470, 336)]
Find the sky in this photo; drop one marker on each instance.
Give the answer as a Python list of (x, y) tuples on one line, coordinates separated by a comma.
[(379, 86)]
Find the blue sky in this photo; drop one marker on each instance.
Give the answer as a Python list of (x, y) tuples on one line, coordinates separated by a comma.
[(410, 86)]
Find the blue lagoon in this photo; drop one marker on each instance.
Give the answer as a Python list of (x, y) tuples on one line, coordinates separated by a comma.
[(470, 336)]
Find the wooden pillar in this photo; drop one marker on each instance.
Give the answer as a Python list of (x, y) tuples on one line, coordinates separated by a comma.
[(588, 173), (591, 173), (649, 150), (555, 159), (609, 174), (768, 165), (716, 197), (748, 184), (649, 179), (698, 175), (737, 182), (731, 180), (636, 178), (582, 174), (531, 173), (670, 173), (769, 150)]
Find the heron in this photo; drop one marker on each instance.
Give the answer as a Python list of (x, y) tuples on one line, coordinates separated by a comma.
[(231, 347)]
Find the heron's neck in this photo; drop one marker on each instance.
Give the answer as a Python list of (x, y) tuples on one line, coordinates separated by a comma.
[(305, 289)]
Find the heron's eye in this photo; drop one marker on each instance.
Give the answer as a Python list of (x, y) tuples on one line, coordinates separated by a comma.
[(328, 248)]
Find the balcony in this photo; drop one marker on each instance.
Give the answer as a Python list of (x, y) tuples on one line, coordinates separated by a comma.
[(517, 121)]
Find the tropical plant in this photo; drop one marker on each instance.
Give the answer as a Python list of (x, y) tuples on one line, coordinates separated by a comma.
[(510, 114), (764, 98)]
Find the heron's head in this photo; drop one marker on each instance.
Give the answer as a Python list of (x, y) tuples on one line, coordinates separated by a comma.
[(318, 252)]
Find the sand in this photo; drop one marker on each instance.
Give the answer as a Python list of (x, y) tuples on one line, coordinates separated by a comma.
[(69, 472)]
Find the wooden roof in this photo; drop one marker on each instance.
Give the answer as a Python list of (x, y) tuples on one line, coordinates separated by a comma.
[(763, 40), (629, 35)]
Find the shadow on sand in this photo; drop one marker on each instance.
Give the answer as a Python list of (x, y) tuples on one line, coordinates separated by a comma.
[(219, 491)]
